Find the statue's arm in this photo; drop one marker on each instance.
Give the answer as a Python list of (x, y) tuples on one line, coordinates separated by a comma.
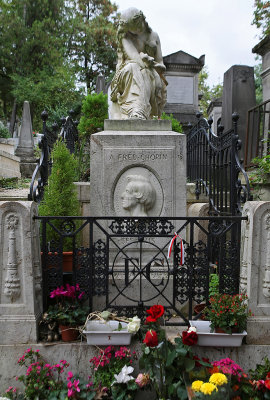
[(131, 52), (158, 56)]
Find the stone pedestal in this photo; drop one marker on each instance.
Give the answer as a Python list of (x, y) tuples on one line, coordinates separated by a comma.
[(20, 273), (255, 269), (138, 168), (149, 149)]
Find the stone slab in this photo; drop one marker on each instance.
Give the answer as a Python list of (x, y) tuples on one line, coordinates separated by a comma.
[(78, 355), (180, 89), (20, 273), (9, 165), (137, 125), (160, 156)]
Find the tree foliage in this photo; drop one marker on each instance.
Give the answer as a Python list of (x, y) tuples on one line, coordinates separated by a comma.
[(93, 43), (94, 111), (208, 94), (47, 46), (60, 194), (261, 16)]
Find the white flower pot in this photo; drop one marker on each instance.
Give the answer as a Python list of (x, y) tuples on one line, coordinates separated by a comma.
[(207, 338), (105, 334)]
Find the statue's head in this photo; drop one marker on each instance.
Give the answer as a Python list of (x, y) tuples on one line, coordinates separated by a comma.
[(139, 193), (133, 19)]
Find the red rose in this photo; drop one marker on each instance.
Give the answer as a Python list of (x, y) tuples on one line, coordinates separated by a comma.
[(189, 338), (154, 312), (151, 339), (267, 383)]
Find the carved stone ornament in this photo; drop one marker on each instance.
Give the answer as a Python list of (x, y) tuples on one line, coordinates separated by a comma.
[(138, 193), (12, 281), (266, 280)]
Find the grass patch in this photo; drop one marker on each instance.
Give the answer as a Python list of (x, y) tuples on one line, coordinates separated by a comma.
[(15, 183)]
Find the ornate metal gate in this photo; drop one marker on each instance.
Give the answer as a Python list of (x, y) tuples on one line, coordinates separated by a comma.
[(124, 266)]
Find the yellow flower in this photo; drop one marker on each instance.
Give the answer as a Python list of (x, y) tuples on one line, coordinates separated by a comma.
[(218, 379), (208, 388), (196, 385)]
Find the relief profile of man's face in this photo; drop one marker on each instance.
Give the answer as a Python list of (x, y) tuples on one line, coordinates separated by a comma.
[(139, 195)]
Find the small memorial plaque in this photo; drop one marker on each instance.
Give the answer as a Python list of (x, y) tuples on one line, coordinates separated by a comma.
[(180, 89)]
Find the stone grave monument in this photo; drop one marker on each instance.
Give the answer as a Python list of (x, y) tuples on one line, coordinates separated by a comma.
[(182, 72), (138, 164), (25, 148), (238, 96)]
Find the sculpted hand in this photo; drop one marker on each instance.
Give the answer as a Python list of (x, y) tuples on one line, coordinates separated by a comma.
[(149, 61)]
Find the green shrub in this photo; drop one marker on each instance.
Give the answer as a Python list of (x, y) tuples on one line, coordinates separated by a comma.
[(4, 133), (60, 195), (176, 126), (94, 111)]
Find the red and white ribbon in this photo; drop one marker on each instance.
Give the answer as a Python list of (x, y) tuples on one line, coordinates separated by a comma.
[(182, 250)]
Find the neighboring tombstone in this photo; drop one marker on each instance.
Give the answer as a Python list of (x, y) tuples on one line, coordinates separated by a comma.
[(182, 72), (263, 49), (100, 84), (238, 96), (255, 269), (214, 112), (25, 148), (138, 89), (20, 273)]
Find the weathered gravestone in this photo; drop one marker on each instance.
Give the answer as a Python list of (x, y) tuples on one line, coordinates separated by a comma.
[(238, 96), (25, 148), (182, 71)]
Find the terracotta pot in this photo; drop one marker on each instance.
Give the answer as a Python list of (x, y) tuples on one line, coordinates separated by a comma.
[(68, 333), (221, 330), (199, 308), (67, 260)]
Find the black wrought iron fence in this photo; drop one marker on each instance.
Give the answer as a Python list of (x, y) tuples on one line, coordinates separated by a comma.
[(68, 131), (123, 265), (213, 164)]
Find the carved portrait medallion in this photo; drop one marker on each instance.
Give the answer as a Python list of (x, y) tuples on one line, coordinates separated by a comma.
[(138, 193)]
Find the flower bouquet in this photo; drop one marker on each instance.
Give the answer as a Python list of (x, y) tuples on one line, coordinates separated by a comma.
[(67, 311), (227, 313)]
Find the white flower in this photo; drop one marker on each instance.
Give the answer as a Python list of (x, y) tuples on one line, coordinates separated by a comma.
[(134, 325), (123, 376), (192, 329)]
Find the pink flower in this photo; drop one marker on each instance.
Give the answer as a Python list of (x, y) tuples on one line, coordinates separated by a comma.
[(69, 375), (76, 385), (142, 380), (70, 392)]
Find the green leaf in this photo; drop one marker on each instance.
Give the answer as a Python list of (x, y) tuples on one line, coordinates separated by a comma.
[(170, 358), (105, 315), (181, 351), (146, 350), (182, 393), (189, 364)]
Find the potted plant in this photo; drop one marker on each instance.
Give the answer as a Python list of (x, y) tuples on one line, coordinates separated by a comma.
[(107, 328), (67, 310), (228, 313), (60, 198)]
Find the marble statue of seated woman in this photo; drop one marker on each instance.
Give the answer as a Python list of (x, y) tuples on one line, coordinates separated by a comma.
[(138, 89)]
